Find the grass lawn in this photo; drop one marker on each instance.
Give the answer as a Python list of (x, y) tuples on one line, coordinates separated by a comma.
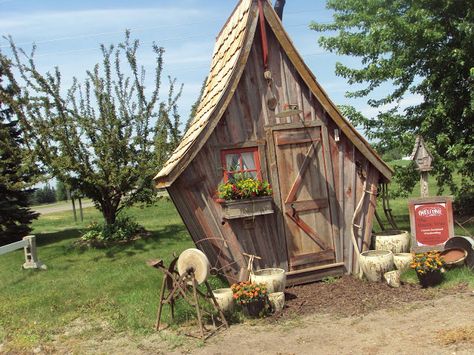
[(113, 285)]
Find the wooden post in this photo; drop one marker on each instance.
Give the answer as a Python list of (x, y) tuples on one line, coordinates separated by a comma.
[(424, 184), (423, 159), (31, 255)]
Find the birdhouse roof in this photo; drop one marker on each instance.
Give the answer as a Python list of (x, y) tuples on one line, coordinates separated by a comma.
[(230, 56), (419, 143)]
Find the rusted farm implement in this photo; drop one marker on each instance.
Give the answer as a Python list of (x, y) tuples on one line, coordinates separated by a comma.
[(180, 281)]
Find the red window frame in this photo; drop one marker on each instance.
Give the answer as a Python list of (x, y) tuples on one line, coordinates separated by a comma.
[(239, 151)]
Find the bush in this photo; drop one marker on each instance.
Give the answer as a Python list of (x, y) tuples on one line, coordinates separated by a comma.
[(464, 204), (101, 234)]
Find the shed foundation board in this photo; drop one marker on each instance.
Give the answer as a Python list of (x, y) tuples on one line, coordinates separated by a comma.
[(303, 276)]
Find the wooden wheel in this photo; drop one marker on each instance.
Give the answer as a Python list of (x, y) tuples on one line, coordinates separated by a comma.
[(194, 260)]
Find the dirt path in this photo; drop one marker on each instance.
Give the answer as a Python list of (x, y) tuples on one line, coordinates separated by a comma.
[(440, 326), (416, 328), (61, 207)]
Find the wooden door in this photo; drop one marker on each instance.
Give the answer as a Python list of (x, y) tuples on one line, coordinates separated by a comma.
[(304, 189)]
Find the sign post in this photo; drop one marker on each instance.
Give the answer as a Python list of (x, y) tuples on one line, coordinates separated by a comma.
[(431, 221)]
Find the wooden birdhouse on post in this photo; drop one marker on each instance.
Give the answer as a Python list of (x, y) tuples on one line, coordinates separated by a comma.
[(423, 159)]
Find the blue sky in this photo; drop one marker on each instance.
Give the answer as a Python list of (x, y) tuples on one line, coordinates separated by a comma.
[(68, 34)]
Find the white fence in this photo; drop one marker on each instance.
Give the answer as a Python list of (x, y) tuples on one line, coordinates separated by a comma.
[(31, 254)]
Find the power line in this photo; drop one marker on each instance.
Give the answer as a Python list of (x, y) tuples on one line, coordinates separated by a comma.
[(100, 34), (158, 41)]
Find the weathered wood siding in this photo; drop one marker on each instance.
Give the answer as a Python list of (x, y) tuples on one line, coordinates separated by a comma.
[(248, 122)]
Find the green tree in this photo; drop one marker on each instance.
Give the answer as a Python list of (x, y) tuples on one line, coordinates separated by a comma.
[(16, 174), (61, 191), (98, 137), (422, 47), (45, 194)]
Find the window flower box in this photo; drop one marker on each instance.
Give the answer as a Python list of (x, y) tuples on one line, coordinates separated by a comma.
[(233, 209)]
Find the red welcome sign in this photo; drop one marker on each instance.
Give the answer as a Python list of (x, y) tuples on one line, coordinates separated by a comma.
[(431, 220)]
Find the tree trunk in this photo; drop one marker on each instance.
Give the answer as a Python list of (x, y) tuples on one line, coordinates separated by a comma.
[(279, 5), (80, 210), (109, 212), (74, 208)]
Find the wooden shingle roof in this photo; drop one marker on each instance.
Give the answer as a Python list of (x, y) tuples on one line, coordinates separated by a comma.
[(228, 52), (228, 61)]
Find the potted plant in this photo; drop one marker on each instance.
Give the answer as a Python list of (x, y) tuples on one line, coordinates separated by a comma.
[(245, 197), (251, 296), (428, 267)]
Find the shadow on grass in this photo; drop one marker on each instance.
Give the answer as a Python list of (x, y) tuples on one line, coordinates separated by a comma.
[(166, 237), (43, 239), (174, 234)]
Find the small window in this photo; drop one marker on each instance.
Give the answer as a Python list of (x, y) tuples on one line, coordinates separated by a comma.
[(241, 163)]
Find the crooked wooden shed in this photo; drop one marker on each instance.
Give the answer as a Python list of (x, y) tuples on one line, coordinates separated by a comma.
[(263, 110)]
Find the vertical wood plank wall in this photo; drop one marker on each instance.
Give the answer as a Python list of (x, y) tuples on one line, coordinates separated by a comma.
[(247, 122)]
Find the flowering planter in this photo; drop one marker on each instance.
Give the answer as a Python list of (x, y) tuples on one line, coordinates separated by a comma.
[(253, 309), (233, 209), (431, 278)]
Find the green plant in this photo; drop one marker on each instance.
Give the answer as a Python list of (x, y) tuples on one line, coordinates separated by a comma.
[(329, 279), (100, 234), (427, 262), (244, 188), (248, 292)]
